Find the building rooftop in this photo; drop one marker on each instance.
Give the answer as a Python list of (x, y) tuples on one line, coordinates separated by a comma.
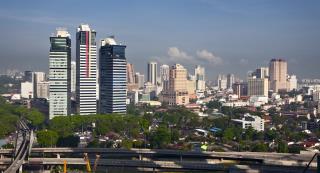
[(84, 27), (108, 41), (62, 32)]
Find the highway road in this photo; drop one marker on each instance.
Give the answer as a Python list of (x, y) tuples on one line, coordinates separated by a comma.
[(267, 158), (174, 165)]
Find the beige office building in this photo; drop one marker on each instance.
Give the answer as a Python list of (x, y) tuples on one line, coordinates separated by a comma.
[(258, 87), (278, 75), (131, 82), (43, 90), (177, 93)]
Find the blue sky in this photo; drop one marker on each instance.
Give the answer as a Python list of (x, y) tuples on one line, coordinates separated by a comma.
[(224, 36)]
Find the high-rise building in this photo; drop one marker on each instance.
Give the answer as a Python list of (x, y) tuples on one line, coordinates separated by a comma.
[(28, 76), (262, 72), (278, 75), (27, 90), (113, 77), (37, 78), (222, 82), (230, 80), (177, 93), (86, 75), (292, 83), (164, 76), (240, 89), (60, 74), (152, 72), (131, 82), (258, 87), (43, 90), (191, 88), (73, 76), (139, 78), (199, 73), (130, 73)]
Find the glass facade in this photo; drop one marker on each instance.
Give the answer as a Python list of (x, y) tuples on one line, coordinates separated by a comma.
[(59, 76), (113, 79)]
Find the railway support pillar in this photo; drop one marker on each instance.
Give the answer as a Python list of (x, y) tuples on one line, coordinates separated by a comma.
[(318, 163), (20, 169), (140, 157)]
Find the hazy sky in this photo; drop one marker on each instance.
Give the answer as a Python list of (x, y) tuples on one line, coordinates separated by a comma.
[(225, 36)]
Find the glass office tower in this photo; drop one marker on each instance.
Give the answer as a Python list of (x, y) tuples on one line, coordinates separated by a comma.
[(60, 74), (113, 77)]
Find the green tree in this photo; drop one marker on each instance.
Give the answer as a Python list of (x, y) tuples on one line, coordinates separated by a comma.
[(62, 125), (295, 149), (174, 135), (47, 138), (127, 144), (259, 147), (228, 134), (214, 104), (36, 117), (271, 135), (160, 138), (94, 144), (68, 141), (282, 147)]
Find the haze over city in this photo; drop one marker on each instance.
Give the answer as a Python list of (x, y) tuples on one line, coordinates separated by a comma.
[(223, 36), (160, 86)]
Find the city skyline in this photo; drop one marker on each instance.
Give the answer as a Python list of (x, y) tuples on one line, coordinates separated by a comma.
[(223, 37)]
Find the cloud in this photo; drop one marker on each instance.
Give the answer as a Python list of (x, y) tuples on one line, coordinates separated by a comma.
[(178, 55), (210, 57)]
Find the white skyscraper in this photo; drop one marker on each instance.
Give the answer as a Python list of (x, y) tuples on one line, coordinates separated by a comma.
[(222, 82), (230, 80), (86, 76), (292, 82), (139, 79), (152, 72), (38, 77), (199, 73), (164, 75), (27, 90), (60, 74), (73, 76)]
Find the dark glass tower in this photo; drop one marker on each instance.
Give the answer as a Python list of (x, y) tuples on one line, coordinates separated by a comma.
[(113, 77)]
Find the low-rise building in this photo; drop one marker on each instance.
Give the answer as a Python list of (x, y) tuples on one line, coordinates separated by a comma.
[(256, 122), (27, 90)]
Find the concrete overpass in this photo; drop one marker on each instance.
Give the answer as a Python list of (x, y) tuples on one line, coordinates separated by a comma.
[(171, 159)]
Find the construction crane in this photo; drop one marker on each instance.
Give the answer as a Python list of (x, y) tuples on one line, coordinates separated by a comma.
[(96, 163), (86, 159)]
